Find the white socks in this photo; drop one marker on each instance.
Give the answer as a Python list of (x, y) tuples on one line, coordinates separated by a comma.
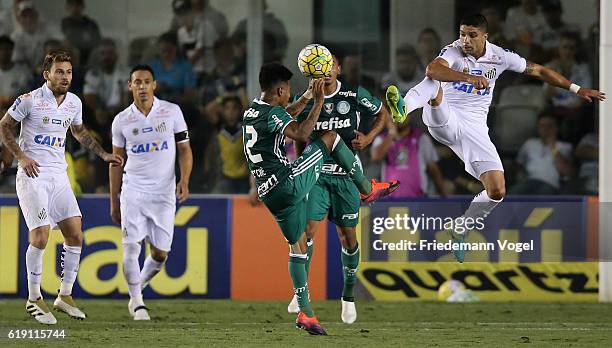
[(34, 268), (131, 269), (419, 95), (150, 269), (481, 206), (71, 256)]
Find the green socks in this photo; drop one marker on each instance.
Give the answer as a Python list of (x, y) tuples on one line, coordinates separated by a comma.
[(346, 159), (309, 251), (350, 262), (299, 277)]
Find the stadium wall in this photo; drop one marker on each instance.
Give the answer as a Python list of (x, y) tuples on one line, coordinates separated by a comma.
[(225, 248)]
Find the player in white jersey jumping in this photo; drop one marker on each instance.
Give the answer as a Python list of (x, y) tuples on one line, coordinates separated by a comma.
[(45, 196), (455, 97), (147, 132)]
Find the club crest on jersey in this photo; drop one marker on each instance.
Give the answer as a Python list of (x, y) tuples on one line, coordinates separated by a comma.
[(491, 73), (67, 122), (329, 107), (49, 140), (150, 147), (343, 107), (45, 119), (160, 128), (135, 131)]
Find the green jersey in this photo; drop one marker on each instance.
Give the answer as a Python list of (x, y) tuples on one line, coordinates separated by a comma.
[(264, 144), (342, 111)]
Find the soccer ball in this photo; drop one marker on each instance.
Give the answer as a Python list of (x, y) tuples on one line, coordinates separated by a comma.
[(315, 61), (448, 288)]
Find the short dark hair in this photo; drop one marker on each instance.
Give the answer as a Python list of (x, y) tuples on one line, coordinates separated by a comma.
[(168, 37), (547, 113), (140, 67), (429, 30), (231, 98), (476, 20), (6, 41), (273, 73), (56, 56)]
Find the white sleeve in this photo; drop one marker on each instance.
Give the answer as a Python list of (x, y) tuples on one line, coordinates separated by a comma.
[(21, 107), (514, 62), (427, 149), (450, 54), (118, 139), (78, 118)]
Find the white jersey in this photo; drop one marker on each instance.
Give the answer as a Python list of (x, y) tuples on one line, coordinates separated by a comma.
[(471, 103), (150, 146), (44, 125)]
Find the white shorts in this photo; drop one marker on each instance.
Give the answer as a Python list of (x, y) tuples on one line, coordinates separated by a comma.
[(147, 215), (468, 139), (46, 199)]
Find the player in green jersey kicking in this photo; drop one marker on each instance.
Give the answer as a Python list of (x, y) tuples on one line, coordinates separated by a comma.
[(334, 194), (283, 186)]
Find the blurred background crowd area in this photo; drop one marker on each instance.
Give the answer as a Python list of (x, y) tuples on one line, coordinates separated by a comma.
[(547, 137)]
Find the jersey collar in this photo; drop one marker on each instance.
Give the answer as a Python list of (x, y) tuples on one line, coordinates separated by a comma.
[(486, 56), (153, 108), (338, 84), (260, 102)]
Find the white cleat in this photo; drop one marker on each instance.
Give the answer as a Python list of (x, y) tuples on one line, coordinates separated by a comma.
[(39, 310), (138, 311), (66, 304), (293, 306), (349, 312)]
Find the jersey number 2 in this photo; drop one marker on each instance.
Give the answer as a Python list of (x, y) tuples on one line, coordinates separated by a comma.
[(250, 130)]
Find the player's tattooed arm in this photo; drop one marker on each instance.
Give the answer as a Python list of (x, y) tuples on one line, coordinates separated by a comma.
[(439, 70), (553, 78), (87, 140), (7, 135)]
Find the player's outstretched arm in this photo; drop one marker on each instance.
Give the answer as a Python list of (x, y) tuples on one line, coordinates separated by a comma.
[(298, 106), (84, 137), (7, 135), (185, 159), (439, 70), (302, 131), (554, 78), (115, 176)]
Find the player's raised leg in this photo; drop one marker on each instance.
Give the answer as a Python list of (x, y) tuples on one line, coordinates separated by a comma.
[(417, 97), (71, 255), (35, 304), (370, 190)]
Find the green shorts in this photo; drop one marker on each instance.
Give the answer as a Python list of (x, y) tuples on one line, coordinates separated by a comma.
[(288, 201), (337, 195)]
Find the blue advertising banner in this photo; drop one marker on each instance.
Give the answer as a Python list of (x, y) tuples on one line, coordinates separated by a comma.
[(198, 264)]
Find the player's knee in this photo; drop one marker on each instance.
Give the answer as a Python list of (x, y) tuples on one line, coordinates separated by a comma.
[(159, 255), (39, 241), (497, 193), (131, 251)]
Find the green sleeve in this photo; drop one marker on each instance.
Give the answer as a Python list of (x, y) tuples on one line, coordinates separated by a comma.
[(367, 102), (278, 119)]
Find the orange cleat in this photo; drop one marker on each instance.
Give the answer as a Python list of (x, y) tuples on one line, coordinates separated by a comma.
[(311, 325), (380, 190)]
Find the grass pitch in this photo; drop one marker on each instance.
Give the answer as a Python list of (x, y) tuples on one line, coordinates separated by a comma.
[(235, 323)]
